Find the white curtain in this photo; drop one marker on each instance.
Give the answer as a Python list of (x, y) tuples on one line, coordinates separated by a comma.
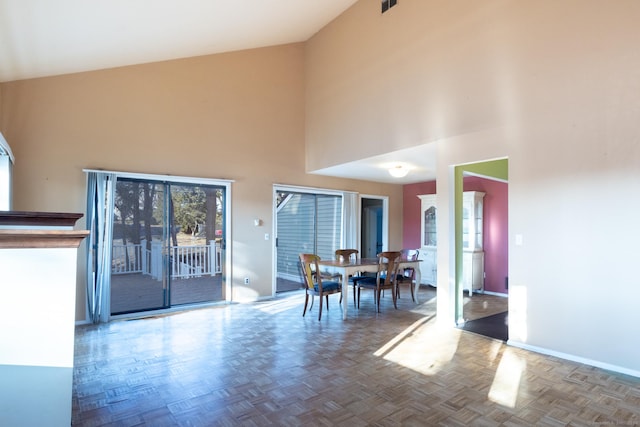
[(349, 220), (100, 202)]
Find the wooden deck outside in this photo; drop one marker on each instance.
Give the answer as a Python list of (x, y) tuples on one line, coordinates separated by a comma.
[(138, 292)]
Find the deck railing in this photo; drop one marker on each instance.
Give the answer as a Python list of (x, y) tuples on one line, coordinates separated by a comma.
[(184, 261)]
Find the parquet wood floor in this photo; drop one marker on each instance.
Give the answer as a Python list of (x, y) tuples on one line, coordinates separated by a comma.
[(263, 364), (483, 305)]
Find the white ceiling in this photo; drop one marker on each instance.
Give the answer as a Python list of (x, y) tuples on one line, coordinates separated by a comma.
[(420, 161), (50, 37)]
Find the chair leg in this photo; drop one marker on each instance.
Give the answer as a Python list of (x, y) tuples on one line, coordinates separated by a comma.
[(327, 298), (354, 294), (379, 291), (398, 281), (395, 299), (413, 297), (306, 301), (320, 308), (358, 296)]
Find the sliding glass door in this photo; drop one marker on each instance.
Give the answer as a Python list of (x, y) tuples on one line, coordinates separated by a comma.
[(306, 223), (195, 244), (167, 247)]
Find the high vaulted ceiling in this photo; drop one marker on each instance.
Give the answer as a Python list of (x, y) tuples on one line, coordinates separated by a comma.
[(41, 38), (48, 37)]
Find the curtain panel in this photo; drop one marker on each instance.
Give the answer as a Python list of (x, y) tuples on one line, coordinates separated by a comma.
[(100, 203), (349, 220)]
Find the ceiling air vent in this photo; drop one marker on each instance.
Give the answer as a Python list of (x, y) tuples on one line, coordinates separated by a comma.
[(388, 4)]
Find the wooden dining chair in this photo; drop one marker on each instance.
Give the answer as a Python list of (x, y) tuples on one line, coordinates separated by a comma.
[(346, 254), (341, 255), (315, 285), (408, 272), (386, 278)]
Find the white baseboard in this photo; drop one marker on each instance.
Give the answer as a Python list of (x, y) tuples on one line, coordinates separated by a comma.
[(498, 294), (574, 358)]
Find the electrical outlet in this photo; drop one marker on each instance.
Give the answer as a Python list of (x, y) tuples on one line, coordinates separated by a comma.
[(246, 280)]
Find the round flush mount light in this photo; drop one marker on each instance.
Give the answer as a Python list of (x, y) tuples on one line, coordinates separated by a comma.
[(398, 171)]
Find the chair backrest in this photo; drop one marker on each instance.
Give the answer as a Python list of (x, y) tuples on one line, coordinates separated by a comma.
[(410, 254), (343, 255), (388, 267), (309, 265)]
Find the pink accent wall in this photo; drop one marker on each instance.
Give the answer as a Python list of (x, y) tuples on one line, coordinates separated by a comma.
[(495, 240), (496, 262), (411, 212)]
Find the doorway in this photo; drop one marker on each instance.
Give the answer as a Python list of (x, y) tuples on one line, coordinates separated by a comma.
[(167, 245), (481, 294), (373, 226)]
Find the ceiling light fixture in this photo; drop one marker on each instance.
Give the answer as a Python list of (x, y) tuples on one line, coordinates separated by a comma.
[(398, 171)]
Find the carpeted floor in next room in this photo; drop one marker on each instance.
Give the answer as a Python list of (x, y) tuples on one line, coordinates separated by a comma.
[(494, 326)]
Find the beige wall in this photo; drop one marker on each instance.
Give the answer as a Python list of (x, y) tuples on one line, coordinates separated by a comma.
[(551, 85), (236, 116)]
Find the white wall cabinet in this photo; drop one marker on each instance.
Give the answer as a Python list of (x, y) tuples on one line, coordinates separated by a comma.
[(472, 271), (428, 239), (472, 235)]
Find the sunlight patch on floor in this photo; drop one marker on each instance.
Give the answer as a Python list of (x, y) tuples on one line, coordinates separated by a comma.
[(400, 337), (283, 304), (494, 352), (504, 389), (425, 346)]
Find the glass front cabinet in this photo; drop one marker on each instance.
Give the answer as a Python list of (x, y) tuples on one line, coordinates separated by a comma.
[(428, 239), (472, 247), (473, 254)]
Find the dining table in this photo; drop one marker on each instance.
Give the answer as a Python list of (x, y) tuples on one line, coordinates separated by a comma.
[(352, 267)]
